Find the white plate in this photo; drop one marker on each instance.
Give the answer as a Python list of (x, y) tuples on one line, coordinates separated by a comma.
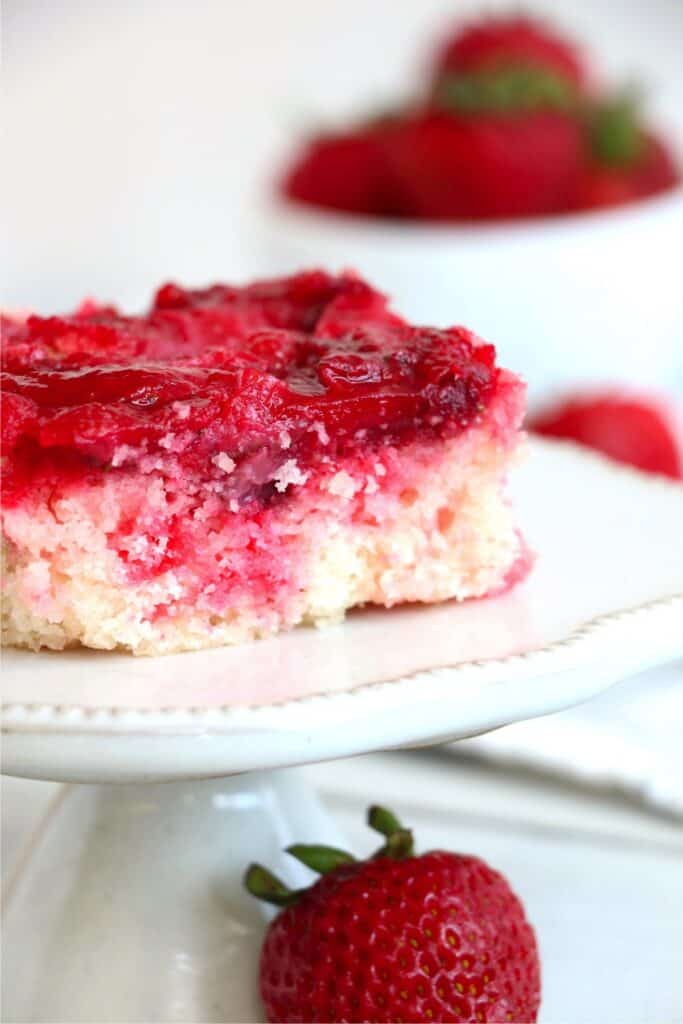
[(604, 600)]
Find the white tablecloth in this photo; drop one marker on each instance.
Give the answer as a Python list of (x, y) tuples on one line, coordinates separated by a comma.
[(630, 739)]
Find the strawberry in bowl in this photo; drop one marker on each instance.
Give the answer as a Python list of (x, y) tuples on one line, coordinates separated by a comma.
[(504, 43), (450, 167), (510, 125)]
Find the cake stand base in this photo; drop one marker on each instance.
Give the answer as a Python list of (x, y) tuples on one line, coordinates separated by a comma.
[(128, 906)]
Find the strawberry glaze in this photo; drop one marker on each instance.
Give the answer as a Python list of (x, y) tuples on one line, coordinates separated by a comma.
[(313, 364)]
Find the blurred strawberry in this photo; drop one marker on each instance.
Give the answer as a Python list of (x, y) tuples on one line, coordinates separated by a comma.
[(486, 166), (625, 162), (654, 172), (497, 43), (345, 171), (504, 138), (636, 430), (510, 130)]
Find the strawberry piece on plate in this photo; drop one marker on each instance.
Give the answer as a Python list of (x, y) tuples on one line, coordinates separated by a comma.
[(637, 430)]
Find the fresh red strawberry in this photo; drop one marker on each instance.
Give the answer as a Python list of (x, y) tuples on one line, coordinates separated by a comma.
[(486, 167), (625, 161), (345, 171), (503, 42), (635, 430), (514, 143), (604, 184), (396, 938)]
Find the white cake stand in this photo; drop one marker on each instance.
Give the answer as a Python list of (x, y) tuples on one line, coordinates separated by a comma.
[(127, 906)]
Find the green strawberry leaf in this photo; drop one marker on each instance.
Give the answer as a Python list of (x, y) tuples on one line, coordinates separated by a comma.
[(616, 136), (508, 89)]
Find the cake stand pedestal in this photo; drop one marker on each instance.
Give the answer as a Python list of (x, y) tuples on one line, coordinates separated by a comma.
[(129, 905)]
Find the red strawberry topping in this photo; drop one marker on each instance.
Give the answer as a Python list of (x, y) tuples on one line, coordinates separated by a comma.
[(236, 370)]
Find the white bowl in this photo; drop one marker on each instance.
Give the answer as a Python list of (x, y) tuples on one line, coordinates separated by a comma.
[(589, 297)]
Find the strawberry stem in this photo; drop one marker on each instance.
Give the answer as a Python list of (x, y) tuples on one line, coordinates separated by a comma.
[(264, 885), (383, 820), (399, 844), (321, 859)]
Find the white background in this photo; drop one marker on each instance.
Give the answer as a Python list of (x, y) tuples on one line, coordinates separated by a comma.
[(136, 133)]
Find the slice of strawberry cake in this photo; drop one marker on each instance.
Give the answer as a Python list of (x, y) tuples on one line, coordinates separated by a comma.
[(242, 459)]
